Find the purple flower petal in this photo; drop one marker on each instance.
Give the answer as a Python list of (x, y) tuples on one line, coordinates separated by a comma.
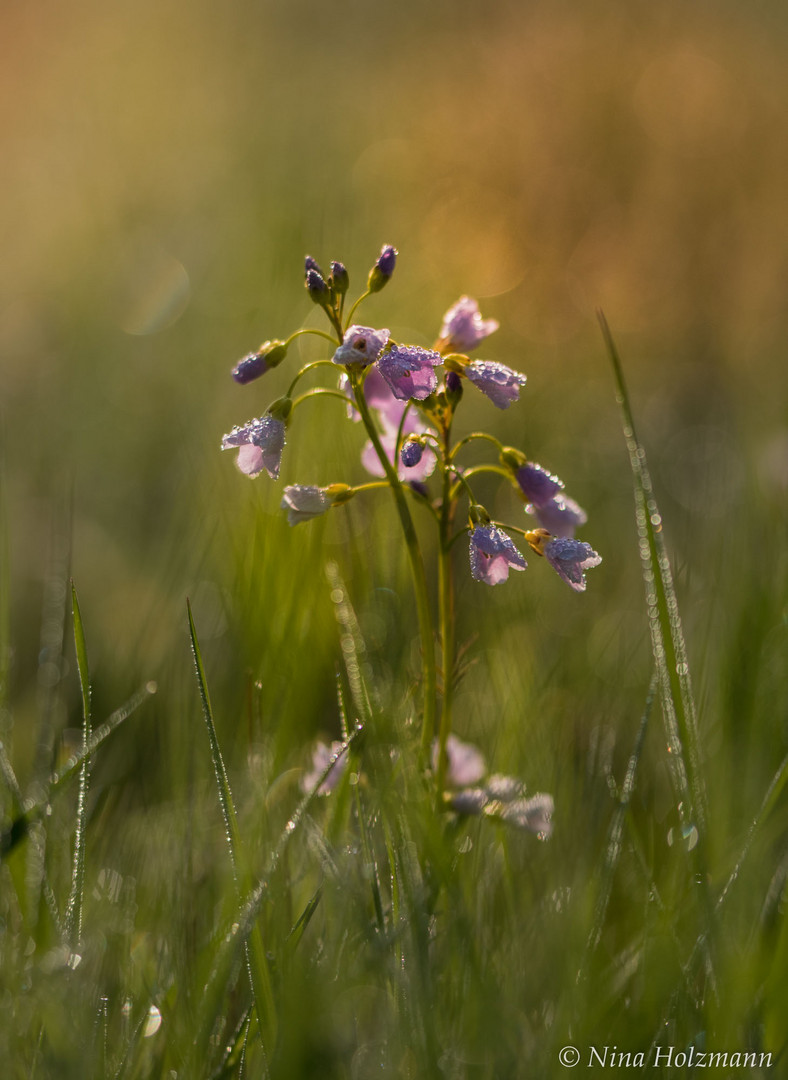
[(361, 345), (378, 396), (321, 756), (569, 558), (534, 814), (303, 502), (493, 554), (260, 443), (466, 764), (419, 472), (463, 327), (409, 371), (537, 484), (498, 382), (559, 515)]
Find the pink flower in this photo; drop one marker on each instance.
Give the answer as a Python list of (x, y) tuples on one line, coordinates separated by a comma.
[(321, 756), (463, 326), (409, 371), (260, 444), (496, 381), (493, 554), (569, 558)]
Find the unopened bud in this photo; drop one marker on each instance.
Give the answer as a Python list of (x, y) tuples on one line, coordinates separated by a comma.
[(381, 272), (339, 278), (453, 387), (411, 453), (316, 286), (269, 355)]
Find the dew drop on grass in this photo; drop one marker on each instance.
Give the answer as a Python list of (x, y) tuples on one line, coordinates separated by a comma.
[(153, 1022), (687, 835)]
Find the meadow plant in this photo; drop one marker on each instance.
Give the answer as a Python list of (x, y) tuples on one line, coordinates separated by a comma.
[(407, 397)]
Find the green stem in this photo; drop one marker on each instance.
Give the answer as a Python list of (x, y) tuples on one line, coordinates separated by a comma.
[(446, 608), (309, 367), (320, 391), (352, 311), (475, 435), (416, 564), (497, 469), (309, 330)]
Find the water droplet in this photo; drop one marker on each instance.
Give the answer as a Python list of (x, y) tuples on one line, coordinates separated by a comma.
[(153, 1023), (152, 686), (687, 835)]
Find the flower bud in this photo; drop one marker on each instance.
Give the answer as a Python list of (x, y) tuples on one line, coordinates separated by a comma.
[(411, 452), (381, 272), (269, 355), (316, 286), (339, 278), (453, 388), (251, 367), (311, 264)]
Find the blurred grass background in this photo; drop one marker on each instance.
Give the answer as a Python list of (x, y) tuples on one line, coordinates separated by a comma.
[(165, 169)]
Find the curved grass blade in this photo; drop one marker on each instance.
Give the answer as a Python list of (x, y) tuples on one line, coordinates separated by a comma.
[(74, 906), (256, 961), (616, 830), (353, 646), (245, 921), (19, 827), (667, 636)]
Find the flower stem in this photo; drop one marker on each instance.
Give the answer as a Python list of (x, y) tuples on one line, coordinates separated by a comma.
[(446, 608), (352, 311), (416, 564)]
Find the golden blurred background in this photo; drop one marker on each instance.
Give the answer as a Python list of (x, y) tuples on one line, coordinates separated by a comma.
[(166, 166)]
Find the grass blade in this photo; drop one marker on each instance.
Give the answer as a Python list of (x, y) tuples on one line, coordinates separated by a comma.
[(246, 919), (19, 827), (256, 961), (667, 637), (74, 907), (616, 830)]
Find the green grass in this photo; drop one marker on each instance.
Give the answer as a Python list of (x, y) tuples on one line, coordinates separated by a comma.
[(229, 928)]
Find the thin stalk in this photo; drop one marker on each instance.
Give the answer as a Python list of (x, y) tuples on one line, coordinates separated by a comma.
[(475, 435), (446, 609), (309, 330), (319, 391), (310, 367), (429, 673), (352, 311)]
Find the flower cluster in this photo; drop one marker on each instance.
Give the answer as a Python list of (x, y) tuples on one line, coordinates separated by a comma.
[(407, 404), (472, 792)]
